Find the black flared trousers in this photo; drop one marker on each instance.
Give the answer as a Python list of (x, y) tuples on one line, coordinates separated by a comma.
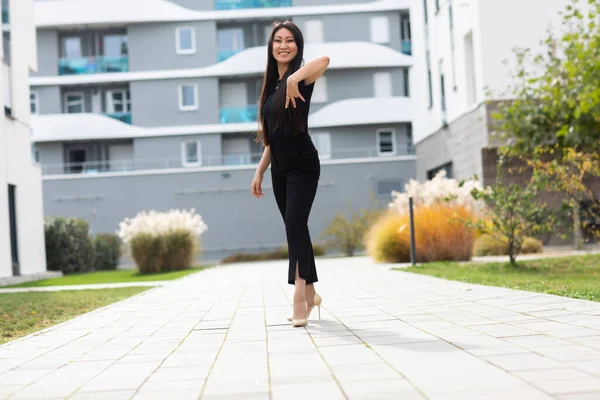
[(295, 187)]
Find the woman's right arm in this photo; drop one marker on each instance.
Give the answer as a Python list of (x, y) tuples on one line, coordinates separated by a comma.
[(265, 160)]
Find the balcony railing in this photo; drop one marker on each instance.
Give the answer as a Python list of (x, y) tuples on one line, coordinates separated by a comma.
[(241, 159), (407, 47), (238, 114), (239, 4), (225, 54), (92, 65), (123, 117)]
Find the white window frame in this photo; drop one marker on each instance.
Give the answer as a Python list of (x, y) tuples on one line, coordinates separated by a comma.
[(181, 51), (380, 29), (110, 106), (67, 94), (184, 160), (387, 91), (394, 147), (320, 91), (320, 135), (36, 101), (180, 93), (314, 32)]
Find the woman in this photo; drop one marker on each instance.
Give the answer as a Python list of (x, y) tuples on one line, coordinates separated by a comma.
[(283, 108)]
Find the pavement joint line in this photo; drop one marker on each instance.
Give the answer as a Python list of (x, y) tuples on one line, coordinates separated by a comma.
[(180, 343), (237, 306), (267, 345)]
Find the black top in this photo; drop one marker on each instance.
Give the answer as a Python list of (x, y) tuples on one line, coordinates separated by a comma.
[(303, 106)]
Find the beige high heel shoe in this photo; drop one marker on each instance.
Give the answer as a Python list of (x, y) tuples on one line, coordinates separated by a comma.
[(317, 302), (296, 323)]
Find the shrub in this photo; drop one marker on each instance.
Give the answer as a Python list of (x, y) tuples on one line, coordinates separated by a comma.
[(107, 251), (440, 235), (162, 241), (488, 245), (279, 254), (68, 246), (346, 231), (439, 190)]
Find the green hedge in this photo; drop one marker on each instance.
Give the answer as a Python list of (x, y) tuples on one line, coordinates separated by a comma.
[(107, 251), (68, 246)]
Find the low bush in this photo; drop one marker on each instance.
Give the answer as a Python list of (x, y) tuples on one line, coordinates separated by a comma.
[(347, 229), (68, 247), (160, 242), (440, 235), (278, 254), (488, 245), (107, 251)]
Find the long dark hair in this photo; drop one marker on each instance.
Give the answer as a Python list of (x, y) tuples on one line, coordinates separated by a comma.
[(289, 119)]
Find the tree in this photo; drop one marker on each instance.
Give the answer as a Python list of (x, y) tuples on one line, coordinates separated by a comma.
[(552, 122), (513, 213)]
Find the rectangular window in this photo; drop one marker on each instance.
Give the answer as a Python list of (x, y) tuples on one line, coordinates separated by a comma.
[(34, 102), (470, 69), (72, 47), (74, 103), (186, 40), (443, 92), (190, 153), (380, 30), (409, 140), (314, 31), (118, 101), (446, 167), (320, 92), (429, 81), (188, 97), (386, 142), (406, 77), (382, 83), (114, 46), (322, 141), (231, 41)]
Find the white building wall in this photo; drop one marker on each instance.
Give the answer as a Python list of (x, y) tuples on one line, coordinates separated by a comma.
[(16, 164), (497, 26)]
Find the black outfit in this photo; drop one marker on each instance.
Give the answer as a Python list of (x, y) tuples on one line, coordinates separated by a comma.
[(295, 171)]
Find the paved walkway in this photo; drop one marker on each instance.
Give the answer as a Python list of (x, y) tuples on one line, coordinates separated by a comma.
[(222, 334)]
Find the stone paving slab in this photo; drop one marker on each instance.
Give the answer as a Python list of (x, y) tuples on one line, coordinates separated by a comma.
[(223, 334)]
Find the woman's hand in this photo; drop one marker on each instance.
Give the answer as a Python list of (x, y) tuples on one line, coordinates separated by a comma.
[(256, 187), (292, 92)]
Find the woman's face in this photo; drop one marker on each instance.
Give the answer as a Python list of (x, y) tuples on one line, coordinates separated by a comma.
[(284, 46)]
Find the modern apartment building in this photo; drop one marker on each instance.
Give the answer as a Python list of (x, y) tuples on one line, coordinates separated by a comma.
[(157, 109), (459, 63), (22, 249)]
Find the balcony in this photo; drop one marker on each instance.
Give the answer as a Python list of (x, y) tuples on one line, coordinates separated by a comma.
[(225, 54), (123, 116), (231, 115), (92, 65), (407, 47), (241, 4)]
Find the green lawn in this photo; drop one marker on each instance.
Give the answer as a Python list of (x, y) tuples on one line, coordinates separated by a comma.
[(24, 313), (577, 276), (109, 277)]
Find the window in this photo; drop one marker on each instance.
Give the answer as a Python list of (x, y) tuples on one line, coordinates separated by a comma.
[(72, 47), (409, 140), (231, 41), (380, 30), (446, 167), (190, 153), (470, 69), (386, 142), (188, 97), (74, 103), (186, 40), (118, 101), (313, 31), (34, 102), (322, 141), (114, 46), (320, 92), (443, 92), (406, 79), (429, 82), (382, 82)]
